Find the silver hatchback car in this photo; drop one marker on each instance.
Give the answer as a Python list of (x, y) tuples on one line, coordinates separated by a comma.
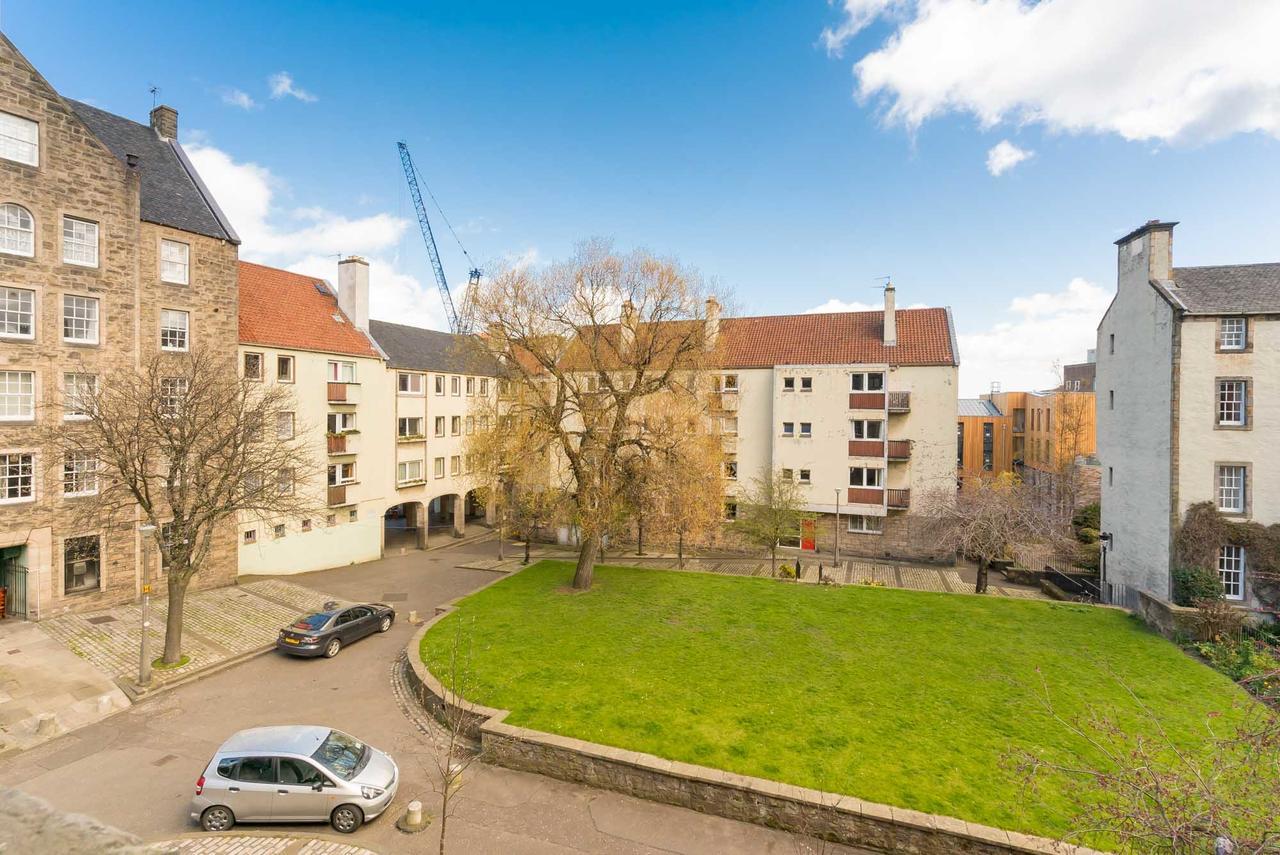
[(294, 773)]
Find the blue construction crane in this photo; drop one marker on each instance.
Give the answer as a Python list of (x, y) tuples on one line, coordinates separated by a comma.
[(456, 324)]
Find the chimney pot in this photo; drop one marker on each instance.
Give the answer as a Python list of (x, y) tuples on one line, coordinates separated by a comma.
[(164, 121), (627, 327), (890, 316), (353, 290)]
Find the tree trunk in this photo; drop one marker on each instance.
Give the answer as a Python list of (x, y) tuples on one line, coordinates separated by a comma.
[(527, 543), (444, 818), (680, 549), (773, 561), (173, 623), (640, 535), (586, 562), (980, 587)]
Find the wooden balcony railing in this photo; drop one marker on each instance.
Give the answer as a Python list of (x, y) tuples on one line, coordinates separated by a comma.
[(866, 448), (337, 444), (343, 393), (899, 499), (866, 400), (899, 402), (866, 496), (337, 495), (899, 449)]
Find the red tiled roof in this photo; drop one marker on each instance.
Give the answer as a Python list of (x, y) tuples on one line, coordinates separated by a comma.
[(924, 338), (283, 309)]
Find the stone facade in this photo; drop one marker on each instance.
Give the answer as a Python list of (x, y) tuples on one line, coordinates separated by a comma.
[(77, 176)]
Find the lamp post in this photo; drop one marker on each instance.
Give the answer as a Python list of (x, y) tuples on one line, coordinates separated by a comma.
[(837, 525), (144, 651)]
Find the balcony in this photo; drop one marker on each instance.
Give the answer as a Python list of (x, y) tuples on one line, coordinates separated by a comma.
[(337, 495), (411, 437), (898, 500), (344, 393), (866, 496), (899, 402), (726, 401), (866, 400), (729, 443), (866, 448), (899, 449), (341, 443)]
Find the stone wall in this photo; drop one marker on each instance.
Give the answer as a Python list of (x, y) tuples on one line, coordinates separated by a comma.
[(1169, 620), (29, 824), (830, 816)]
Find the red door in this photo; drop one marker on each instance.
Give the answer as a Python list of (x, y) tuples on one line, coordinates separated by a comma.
[(807, 536)]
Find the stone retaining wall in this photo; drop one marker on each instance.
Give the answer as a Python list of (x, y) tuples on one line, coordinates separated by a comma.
[(1171, 621), (842, 819)]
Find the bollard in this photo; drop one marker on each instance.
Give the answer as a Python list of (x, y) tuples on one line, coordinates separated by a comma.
[(415, 813), (413, 616), (413, 819), (46, 724)]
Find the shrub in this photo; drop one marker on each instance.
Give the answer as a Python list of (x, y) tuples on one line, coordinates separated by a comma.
[(1089, 555), (786, 571), (1088, 535), (1194, 584), (1089, 516), (1247, 661), (1218, 619)]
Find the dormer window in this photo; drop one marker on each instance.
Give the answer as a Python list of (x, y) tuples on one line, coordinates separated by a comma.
[(1233, 334)]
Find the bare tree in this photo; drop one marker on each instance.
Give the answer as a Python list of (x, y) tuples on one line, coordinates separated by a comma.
[(771, 510), (1156, 795), (688, 492), (1072, 438), (987, 517), (585, 343), (187, 446)]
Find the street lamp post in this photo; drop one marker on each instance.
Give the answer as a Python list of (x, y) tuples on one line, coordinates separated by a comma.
[(144, 650), (837, 525)]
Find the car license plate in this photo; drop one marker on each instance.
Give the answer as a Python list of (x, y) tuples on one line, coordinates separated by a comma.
[(288, 640)]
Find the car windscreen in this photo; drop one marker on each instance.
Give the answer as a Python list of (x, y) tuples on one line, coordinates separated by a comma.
[(342, 755), (312, 622)]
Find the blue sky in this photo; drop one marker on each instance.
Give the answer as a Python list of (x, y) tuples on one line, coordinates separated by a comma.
[(728, 136)]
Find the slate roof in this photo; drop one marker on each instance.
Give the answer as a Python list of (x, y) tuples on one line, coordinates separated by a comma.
[(288, 310), (431, 350), (172, 192), (925, 337), (976, 407), (1227, 289)]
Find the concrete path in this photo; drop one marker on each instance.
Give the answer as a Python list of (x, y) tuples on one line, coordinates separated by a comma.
[(263, 844), (136, 770), (45, 689)]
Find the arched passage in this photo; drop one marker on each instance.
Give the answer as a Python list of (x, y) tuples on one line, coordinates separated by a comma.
[(405, 527)]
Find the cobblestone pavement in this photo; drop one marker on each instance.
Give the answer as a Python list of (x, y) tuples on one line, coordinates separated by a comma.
[(218, 625), (245, 844)]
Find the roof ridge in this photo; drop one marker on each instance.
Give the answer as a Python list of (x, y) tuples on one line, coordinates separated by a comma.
[(813, 314), (1229, 266)]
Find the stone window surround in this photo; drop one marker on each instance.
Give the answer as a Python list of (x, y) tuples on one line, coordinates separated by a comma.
[(161, 240), (102, 564), (1248, 335), (1248, 488), (37, 396), (37, 304), (36, 485), (186, 310), (38, 166), (35, 232), (1248, 404), (100, 338), (63, 216)]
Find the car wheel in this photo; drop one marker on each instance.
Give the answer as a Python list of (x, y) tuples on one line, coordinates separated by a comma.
[(217, 818), (346, 818), (331, 649), (386, 623)]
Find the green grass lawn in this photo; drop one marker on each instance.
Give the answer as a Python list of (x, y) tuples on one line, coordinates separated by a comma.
[(902, 697)]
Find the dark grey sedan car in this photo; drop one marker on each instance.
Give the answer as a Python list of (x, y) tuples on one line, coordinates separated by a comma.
[(324, 633)]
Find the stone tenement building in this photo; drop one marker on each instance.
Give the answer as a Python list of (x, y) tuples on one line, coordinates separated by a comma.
[(859, 408), (1188, 410), (111, 249)]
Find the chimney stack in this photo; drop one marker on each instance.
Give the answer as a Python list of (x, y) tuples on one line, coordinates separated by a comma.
[(890, 316), (627, 328), (353, 290), (1147, 251), (164, 121), (711, 335)]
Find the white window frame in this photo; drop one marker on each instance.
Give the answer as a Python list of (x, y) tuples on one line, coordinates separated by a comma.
[(286, 481), (439, 426), (86, 311), (175, 262), (284, 425), (17, 475), (405, 473), (15, 386), (455, 426), (250, 535), (860, 381), (1233, 399), (439, 378), (341, 371), (788, 428), (409, 384), (404, 422), (731, 470), (287, 376), (484, 385), (730, 511), (1232, 488), (787, 474), (19, 139), (864, 426), (80, 471), (455, 465), (1233, 334), (248, 357), (278, 531), (17, 231), (471, 387), (788, 384), (340, 422), (864, 477), (72, 384), (79, 241), (727, 384), (806, 429), (864, 524), (729, 425), (455, 386), (806, 384), (341, 474), (437, 467), (804, 476), (173, 391), (65, 548), (15, 305), (1231, 570), (179, 330)]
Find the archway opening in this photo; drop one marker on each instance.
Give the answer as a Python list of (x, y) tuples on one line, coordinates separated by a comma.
[(404, 527)]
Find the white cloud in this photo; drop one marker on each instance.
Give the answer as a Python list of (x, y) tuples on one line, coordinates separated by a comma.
[(1152, 70), (282, 86), (1004, 156), (1045, 328), (238, 98), (835, 305), (309, 239)]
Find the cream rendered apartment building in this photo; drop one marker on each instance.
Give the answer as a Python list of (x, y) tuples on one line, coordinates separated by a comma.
[(440, 381), (1188, 409), (296, 332), (856, 407)]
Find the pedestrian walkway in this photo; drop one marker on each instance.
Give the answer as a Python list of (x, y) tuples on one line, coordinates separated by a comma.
[(255, 844), (45, 689), (220, 625)]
